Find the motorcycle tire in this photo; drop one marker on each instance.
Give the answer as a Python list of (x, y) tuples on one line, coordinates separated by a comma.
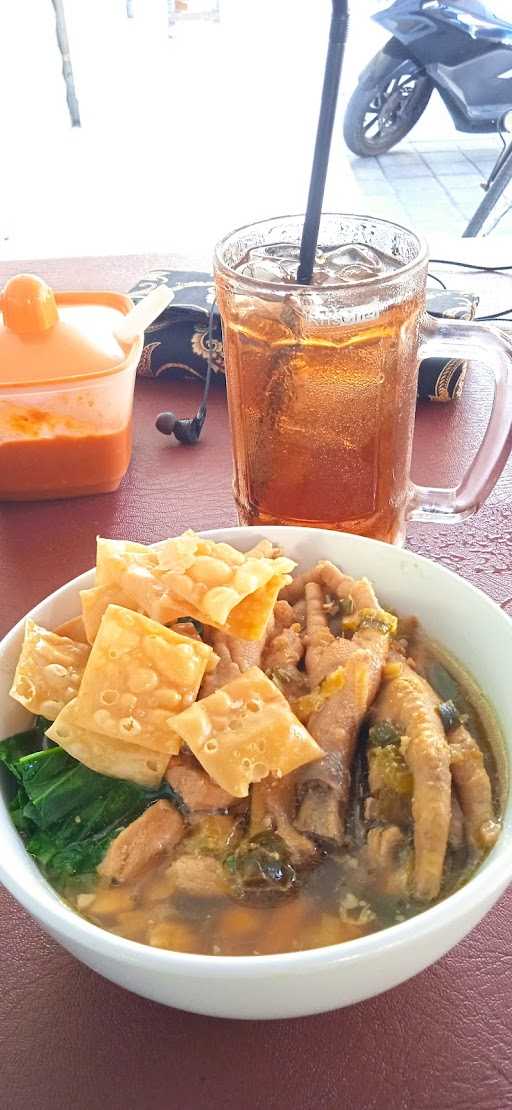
[(489, 199), (374, 83)]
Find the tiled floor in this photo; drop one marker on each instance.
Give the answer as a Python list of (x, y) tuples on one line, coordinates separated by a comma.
[(434, 184)]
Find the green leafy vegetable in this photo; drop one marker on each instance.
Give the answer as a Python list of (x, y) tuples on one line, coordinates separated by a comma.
[(449, 715), (261, 867), (41, 845), (17, 809), (390, 770), (377, 619), (58, 786), (37, 768), (79, 842), (29, 811), (116, 805), (449, 690), (391, 785), (66, 813), (12, 749), (346, 606), (377, 625), (382, 734), (73, 859)]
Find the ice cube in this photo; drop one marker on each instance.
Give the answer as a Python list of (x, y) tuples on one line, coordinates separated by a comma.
[(273, 262), (268, 269), (283, 251), (337, 264), (351, 262)]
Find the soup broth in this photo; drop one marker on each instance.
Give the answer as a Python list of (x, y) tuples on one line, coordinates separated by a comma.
[(337, 899)]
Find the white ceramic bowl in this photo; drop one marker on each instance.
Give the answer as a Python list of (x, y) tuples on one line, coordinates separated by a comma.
[(474, 630)]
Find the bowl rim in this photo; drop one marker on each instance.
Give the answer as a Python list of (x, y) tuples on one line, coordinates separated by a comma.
[(47, 907)]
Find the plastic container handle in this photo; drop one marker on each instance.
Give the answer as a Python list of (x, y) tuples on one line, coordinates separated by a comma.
[(480, 343)]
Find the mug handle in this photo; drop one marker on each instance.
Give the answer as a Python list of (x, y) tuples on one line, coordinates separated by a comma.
[(478, 342)]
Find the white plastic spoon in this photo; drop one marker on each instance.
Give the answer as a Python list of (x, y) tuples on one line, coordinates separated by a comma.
[(142, 314)]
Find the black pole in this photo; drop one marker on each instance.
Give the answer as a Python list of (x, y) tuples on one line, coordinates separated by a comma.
[(337, 38)]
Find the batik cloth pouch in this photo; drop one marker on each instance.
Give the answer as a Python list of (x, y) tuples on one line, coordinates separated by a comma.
[(176, 344)]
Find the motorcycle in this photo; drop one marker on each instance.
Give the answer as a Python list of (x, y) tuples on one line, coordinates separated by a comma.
[(462, 48)]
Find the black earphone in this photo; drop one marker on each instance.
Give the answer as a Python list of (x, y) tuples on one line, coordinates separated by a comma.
[(189, 429)]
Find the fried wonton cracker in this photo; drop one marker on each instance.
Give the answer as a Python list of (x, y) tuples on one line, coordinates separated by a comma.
[(74, 629), (138, 676), (118, 758), (187, 577), (126, 576), (95, 603), (221, 586), (113, 557), (49, 670), (244, 732), (249, 619)]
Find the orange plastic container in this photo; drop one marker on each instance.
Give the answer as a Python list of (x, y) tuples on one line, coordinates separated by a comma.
[(66, 391)]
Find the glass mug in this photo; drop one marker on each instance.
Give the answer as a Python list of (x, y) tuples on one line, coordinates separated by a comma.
[(322, 380)]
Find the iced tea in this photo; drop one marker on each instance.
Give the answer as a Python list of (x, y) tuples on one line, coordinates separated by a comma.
[(321, 387)]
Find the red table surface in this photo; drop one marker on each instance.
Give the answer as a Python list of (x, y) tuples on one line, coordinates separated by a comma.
[(69, 1038)]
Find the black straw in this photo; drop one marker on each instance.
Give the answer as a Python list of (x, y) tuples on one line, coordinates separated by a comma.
[(337, 37)]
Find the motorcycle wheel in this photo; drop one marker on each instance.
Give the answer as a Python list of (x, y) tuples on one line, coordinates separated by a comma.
[(490, 198), (385, 107)]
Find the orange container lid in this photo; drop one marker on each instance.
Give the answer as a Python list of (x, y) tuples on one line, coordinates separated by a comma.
[(47, 337)]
